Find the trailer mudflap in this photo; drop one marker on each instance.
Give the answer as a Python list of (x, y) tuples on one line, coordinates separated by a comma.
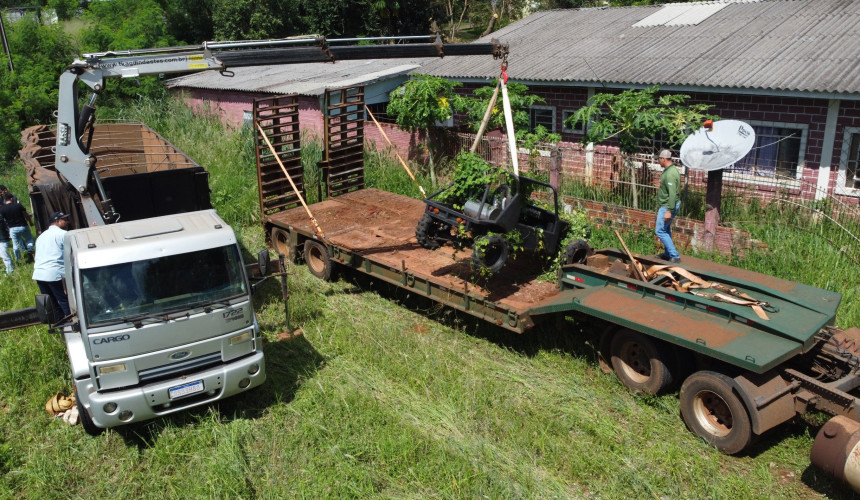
[(768, 397)]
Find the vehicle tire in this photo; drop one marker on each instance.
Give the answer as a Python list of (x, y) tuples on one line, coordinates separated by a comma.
[(490, 253), (641, 363), (86, 421), (281, 243), (713, 411), (318, 261), (576, 252), (427, 232)]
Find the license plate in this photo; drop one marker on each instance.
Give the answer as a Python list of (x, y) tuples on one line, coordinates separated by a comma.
[(185, 389)]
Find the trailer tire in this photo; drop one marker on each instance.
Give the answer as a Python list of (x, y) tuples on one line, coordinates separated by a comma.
[(427, 232), (490, 253), (318, 261), (641, 363), (86, 421), (282, 244), (714, 412), (576, 252)]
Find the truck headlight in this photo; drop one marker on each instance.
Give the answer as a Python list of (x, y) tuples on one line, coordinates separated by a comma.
[(242, 337), (104, 370)]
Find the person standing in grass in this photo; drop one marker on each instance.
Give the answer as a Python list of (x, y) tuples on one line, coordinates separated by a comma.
[(669, 200), (49, 268), (19, 222), (4, 245)]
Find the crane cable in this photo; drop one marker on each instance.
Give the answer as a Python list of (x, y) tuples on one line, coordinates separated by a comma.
[(319, 230), (402, 162)]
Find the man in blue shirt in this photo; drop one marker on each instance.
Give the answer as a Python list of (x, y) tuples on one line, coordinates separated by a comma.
[(48, 269)]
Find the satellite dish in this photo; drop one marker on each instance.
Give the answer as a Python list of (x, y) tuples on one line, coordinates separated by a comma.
[(726, 142)]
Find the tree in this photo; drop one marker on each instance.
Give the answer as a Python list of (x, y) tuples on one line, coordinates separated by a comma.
[(421, 103), (28, 96), (635, 115), (475, 107)]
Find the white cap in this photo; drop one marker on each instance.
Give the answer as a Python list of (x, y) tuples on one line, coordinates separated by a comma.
[(665, 154)]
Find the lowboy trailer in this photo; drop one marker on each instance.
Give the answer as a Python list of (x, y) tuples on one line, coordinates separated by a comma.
[(742, 370)]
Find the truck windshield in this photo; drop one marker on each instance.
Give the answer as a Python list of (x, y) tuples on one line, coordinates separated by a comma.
[(161, 285)]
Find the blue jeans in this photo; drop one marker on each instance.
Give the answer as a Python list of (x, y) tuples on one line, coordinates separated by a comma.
[(663, 230), (4, 254), (58, 296), (21, 239)]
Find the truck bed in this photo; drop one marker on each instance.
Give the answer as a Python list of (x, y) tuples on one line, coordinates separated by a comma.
[(374, 231)]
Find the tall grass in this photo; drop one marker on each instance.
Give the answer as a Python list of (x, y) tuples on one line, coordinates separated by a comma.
[(384, 395)]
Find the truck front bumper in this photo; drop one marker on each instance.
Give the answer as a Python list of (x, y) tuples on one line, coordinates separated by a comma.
[(120, 407)]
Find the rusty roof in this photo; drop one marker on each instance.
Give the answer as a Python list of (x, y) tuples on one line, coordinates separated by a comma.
[(769, 46)]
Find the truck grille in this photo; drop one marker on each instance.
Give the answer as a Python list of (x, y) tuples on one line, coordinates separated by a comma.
[(177, 369)]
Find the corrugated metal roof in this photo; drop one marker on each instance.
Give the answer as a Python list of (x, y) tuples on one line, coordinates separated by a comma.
[(309, 79), (810, 46)]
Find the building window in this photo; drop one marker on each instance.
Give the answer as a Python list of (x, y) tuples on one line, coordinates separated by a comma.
[(380, 112), (247, 118), (580, 127), (778, 151), (542, 115), (848, 181)]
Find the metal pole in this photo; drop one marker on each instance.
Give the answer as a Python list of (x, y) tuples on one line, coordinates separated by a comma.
[(6, 44)]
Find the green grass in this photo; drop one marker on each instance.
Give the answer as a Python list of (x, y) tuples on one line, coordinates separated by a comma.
[(385, 395)]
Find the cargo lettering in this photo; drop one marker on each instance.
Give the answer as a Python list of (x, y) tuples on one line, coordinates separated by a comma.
[(108, 340)]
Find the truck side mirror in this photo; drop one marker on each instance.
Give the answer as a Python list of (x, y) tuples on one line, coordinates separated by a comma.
[(45, 309), (263, 262)]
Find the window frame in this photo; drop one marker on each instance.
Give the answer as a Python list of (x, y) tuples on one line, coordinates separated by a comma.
[(841, 175), (565, 113), (801, 157), (537, 107)]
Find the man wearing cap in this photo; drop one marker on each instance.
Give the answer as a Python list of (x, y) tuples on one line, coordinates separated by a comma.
[(48, 269), (669, 200)]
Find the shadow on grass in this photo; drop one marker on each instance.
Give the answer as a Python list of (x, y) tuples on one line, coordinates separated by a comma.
[(289, 363)]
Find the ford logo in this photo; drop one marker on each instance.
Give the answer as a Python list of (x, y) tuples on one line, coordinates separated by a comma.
[(179, 355)]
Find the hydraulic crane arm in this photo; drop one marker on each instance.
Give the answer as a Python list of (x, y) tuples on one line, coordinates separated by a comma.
[(75, 122)]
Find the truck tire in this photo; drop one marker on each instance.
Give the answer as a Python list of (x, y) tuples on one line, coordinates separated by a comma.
[(713, 411), (318, 261), (86, 421), (576, 252), (281, 243), (490, 253), (427, 232), (641, 362)]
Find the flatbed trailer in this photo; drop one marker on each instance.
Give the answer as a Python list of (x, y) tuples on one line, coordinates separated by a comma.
[(742, 373)]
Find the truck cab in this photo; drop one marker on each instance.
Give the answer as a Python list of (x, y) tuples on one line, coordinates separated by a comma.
[(161, 319)]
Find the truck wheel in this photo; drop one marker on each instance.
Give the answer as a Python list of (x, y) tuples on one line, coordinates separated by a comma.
[(427, 232), (713, 411), (642, 363), (318, 261), (281, 244), (490, 253), (576, 252), (86, 421)]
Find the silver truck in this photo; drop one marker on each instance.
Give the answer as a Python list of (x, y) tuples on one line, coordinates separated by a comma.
[(143, 342)]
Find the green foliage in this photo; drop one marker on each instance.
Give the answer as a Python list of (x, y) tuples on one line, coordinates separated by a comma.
[(422, 102), (254, 19), (65, 9), (633, 115), (471, 176), (125, 24), (189, 20), (476, 106), (28, 96)]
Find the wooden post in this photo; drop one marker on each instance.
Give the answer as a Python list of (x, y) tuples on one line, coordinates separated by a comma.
[(555, 166), (713, 200)]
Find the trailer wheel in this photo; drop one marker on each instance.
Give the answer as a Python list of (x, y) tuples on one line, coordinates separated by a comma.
[(713, 411), (576, 252), (641, 363), (490, 253), (282, 245), (318, 261), (427, 232), (86, 421)]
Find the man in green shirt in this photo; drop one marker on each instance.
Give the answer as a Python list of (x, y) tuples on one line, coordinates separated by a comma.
[(668, 197)]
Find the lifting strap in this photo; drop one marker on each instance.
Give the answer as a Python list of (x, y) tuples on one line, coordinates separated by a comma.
[(509, 119), (722, 293)]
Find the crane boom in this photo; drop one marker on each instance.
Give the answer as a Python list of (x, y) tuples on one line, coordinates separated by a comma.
[(74, 122)]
